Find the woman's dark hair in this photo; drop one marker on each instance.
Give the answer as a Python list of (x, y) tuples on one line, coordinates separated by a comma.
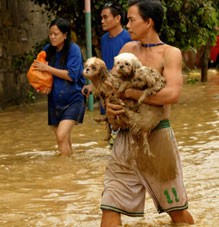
[(150, 9), (116, 10), (65, 27)]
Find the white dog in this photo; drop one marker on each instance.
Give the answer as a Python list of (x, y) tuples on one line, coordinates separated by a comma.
[(125, 66), (132, 74), (129, 73)]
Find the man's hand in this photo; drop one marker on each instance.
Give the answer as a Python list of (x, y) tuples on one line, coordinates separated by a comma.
[(87, 89), (112, 110), (127, 94)]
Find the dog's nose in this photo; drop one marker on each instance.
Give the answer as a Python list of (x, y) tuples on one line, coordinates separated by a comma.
[(121, 66)]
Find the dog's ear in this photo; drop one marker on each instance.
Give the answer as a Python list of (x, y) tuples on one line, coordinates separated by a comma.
[(136, 65), (115, 60), (103, 71)]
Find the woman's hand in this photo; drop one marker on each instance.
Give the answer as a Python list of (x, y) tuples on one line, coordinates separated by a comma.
[(45, 91), (40, 66)]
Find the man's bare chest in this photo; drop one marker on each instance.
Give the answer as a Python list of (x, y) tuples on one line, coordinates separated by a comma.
[(151, 58)]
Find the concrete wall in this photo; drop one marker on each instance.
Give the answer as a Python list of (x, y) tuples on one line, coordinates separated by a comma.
[(22, 24)]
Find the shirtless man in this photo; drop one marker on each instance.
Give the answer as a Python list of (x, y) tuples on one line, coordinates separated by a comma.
[(127, 180)]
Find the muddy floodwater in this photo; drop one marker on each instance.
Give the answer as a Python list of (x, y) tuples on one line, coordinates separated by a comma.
[(38, 188)]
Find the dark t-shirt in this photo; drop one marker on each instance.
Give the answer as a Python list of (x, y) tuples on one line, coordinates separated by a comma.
[(110, 47)]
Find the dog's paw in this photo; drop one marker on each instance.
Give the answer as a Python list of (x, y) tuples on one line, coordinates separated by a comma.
[(100, 119)]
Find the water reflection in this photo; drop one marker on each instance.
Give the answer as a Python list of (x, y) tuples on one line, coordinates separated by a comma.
[(37, 188)]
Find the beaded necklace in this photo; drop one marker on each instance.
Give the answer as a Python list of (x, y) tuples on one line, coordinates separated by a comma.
[(152, 44)]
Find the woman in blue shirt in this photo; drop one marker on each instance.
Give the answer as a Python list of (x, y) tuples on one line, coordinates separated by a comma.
[(65, 101)]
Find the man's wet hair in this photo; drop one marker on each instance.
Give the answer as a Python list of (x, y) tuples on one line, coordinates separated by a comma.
[(116, 10), (150, 9)]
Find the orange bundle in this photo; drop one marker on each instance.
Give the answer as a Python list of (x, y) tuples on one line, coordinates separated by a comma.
[(40, 79)]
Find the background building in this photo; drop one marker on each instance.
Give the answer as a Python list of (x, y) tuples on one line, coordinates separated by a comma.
[(22, 24)]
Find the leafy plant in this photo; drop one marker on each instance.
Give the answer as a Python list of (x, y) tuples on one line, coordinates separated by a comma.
[(187, 23), (190, 23), (31, 97), (22, 62), (192, 81)]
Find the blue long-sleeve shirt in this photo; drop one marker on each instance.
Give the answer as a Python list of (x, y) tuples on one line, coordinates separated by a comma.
[(66, 92)]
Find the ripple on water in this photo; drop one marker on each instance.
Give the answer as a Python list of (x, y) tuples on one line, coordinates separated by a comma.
[(39, 188)]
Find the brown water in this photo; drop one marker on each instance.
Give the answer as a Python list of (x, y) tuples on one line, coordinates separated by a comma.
[(37, 188)]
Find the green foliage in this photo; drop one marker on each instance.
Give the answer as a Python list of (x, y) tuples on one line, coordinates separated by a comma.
[(21, 63), (187, 23), (73, 10), (192, 81), (30, 96), (190, 23)]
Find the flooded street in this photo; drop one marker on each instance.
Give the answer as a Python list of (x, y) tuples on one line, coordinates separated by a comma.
[(38, 188)]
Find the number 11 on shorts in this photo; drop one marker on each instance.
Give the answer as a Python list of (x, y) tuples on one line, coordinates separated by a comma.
[(168, 197)]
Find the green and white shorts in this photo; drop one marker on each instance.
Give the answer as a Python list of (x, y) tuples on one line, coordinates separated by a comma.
[(127, 179)]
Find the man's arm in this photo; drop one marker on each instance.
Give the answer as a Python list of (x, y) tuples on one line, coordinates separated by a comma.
[(174, 80)]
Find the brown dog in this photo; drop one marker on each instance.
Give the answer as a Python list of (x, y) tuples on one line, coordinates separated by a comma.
[(96, 71)]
